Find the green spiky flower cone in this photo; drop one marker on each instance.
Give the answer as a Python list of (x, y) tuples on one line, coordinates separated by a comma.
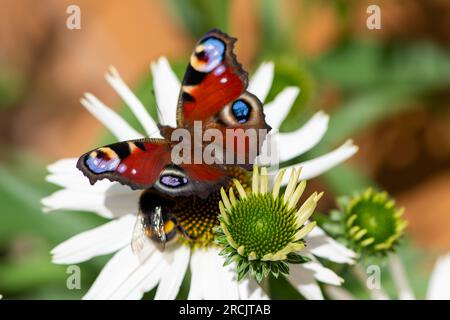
[(264, 231), (372, 223)]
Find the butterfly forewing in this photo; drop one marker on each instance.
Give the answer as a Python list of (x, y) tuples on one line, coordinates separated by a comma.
[(213, 78)]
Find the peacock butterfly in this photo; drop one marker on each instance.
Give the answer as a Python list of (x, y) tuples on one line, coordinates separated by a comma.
[(213, 94)]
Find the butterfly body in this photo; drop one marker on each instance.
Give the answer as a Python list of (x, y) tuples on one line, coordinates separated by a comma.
[(214, 112)]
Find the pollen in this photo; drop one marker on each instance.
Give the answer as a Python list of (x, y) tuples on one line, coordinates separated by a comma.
[(198, 217)]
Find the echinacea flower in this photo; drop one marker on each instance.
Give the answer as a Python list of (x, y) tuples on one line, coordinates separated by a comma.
[(369, 223), (124, 276), (264, 231)]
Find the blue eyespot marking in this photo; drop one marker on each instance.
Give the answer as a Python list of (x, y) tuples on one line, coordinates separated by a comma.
[(241, 111), (100, 163), (210, 55), (173, 181)]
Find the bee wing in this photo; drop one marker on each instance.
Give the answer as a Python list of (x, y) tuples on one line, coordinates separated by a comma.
[(141, 245), (148, 231), (155, 227)]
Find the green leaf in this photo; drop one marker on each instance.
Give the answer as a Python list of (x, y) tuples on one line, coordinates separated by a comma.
[(362, 65), (364, 110), (21, 212), (281, 289)]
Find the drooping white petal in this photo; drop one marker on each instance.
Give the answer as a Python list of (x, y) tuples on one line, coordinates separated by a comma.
[(115, 201), (108, 199), (324, 246), (171, 280), (323, 274), (196, 291), (143, 279), (439, 285), (313, 168), (399, 277), (205, 284), (249, 289), (376, 292), (126, 277), (110, 119), (261, 81), (210, 280), (227, 283), (133, 102), (67, 199), (338, 293), (64, 173), (211, 284), (105, 239), (297, 142), (277, 110), (304, 281), (63, 166), (76, 180), (167, 88)]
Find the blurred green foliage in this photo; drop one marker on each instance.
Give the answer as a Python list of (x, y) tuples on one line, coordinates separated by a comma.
[(376, 79), (11, 87)]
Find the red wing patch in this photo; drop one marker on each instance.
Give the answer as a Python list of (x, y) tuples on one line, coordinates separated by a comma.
[(212, 79), (136, 163)]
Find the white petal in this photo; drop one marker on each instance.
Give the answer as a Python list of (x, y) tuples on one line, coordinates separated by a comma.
[(143, 279), (261, 81), (227, 283), (313, 168), (63, 166), (211, 284), (115, 201), (304, 281), (209, 279), (171, 280), (126, 277), (67, 199), (277, 110), (439, 285), (338, 293), (324, 246), (293, 144), (133, 102), (64, 173), (323, 274), (399, 277), (110, 119), (76, 180), (167, 88), (196, 287), (102, 240), (249, 289)]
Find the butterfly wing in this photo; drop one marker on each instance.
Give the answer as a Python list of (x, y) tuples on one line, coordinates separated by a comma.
[(147, 163), (136, 163), (214, 92), (213, 78)]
